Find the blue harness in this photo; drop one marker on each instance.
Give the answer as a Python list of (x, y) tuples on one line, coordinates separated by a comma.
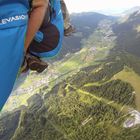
[(13, 26)]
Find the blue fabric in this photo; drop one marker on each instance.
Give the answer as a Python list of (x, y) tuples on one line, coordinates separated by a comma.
[(39, 36), (59, 23), (13, 25)]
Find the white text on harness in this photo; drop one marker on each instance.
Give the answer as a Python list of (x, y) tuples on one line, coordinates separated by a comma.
[(11, 19)]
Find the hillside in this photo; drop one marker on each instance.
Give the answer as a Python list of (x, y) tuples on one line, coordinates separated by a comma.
[(85, 24), (128, 37), (128, 75), (91, 94), (71, 109)]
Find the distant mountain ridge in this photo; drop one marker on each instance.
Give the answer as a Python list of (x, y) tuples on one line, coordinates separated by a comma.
[(128, 34), (132, 10)]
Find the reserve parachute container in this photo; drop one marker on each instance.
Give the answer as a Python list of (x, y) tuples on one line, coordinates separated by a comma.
[(48, 40)]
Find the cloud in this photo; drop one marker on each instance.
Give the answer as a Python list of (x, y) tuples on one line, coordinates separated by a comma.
[(95, 5)]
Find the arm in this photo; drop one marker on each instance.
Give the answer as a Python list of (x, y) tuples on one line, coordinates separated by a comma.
[(36, 18)]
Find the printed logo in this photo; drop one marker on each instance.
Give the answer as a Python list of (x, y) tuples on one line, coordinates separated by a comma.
[(13, 18)]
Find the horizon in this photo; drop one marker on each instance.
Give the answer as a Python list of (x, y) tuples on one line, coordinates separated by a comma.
[(108, 7)]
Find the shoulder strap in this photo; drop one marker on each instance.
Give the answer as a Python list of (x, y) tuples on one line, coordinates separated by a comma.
[(30, 3), (52, 9), (52, 3)]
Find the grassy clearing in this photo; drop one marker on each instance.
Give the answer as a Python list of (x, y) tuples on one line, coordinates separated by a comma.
[(85, 57), (92, 84), (128, 75)]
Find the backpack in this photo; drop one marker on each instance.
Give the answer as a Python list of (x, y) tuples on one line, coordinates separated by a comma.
[(13, 26)]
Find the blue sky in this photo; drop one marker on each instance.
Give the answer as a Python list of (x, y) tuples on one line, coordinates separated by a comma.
[(112, 6)]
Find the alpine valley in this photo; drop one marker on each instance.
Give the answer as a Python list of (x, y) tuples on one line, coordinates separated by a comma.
[(91, 90)]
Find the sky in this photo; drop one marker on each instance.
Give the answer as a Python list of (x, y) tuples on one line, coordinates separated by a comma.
[(106, 6)]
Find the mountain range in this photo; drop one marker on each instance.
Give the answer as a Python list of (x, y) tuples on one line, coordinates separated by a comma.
[(91, 90)]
